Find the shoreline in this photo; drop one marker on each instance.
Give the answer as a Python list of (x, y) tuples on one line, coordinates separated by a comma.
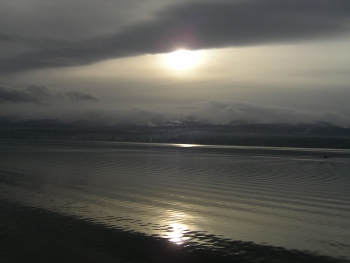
[(30, 234)]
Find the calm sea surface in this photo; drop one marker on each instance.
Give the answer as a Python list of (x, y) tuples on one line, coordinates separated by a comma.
[(172, 203)]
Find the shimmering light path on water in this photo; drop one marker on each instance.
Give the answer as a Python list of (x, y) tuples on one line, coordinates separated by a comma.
[(277, 197)]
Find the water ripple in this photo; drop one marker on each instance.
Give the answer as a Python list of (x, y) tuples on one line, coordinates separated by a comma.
[(289, 197)]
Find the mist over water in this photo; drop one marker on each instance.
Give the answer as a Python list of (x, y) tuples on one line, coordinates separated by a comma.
[(226, 203)]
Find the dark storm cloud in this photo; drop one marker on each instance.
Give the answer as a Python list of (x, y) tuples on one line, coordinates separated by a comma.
[(5, 38), (201, 25), (33, 42), (40, 94)]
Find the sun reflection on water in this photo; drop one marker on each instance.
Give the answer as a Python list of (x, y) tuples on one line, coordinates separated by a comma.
[(187, 145), (176, 234), (176, 231)]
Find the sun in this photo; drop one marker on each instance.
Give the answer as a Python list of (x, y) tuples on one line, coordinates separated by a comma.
[(183, 59)]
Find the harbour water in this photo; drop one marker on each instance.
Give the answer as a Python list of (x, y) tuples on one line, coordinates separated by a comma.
[(129, 202)]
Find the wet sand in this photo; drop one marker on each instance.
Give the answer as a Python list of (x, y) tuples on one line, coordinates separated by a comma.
[(29, 234)]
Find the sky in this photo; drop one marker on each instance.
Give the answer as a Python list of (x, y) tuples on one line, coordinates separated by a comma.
[(119, 61)]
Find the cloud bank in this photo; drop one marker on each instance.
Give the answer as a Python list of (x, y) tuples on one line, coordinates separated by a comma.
[(41, 94), (213, 111), (227, 111), (197, 25)]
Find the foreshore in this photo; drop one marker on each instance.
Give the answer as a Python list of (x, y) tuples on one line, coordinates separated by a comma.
[(30, 234)]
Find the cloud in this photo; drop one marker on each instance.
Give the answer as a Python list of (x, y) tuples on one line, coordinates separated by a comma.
[(227, 111), (40, 94), (200, 25), (80, 96), (213, 111)]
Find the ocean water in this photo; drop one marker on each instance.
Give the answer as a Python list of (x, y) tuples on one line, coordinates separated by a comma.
[(129, 202)]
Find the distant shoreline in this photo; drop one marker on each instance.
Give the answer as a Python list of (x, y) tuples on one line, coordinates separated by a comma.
[(269, 135)]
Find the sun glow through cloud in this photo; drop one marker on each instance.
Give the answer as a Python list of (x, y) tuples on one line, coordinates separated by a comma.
[(183, 59)]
